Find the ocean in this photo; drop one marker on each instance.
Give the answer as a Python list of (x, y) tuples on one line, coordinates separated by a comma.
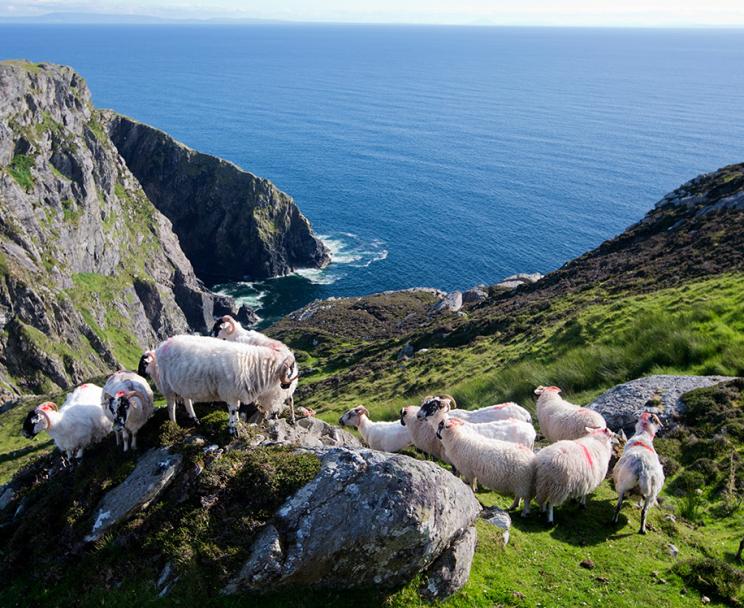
[(427, 156)]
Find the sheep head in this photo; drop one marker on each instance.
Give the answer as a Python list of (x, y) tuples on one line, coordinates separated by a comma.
[(648, 422), (449, 425), (353, 416), (547, 389), (602, 433), (408, 413), (224, 327), (146, 361), (38, 420)]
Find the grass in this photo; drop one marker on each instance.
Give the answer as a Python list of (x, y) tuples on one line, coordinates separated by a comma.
[(20, 170)]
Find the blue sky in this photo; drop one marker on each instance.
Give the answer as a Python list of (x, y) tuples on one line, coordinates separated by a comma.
[(483, 12)]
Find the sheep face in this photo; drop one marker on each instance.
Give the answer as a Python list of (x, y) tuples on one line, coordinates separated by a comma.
[(434, 405), (448, 426), (353, 416), (605, 435), (144, 368), (648, 423), (407, 413), (224, 327), (37, 420), (547, 389), (119, 407)]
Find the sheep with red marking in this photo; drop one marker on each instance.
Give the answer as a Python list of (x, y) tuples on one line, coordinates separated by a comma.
[(639, 467), (504, 467), (229, 329), (572, 468), (491, 413), (560, 419), (80, 421), (436, 409), (127, 401), (200, 369), (383, 436)]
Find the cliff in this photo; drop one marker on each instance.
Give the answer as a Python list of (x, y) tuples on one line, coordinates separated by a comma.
[(231, 224), (91, 272)]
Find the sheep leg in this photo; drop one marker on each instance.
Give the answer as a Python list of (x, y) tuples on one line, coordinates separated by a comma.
[(79, 454), (290, 402), (233, 419), (582, 502), (741, 549), (190, 410), (526, 510), (171, 407), (550, 513), (515, 504), (618, 507), (118, 439), (133, 441), (125, 439), (646, 502), (474, 484)]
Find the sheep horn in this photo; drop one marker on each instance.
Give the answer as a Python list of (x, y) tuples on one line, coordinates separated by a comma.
[(453, 403), (286, 378), (656, 419), (44, 408), (139, 395)]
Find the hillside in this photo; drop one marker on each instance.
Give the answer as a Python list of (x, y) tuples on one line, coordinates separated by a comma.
[(92, 270), (334, 525)]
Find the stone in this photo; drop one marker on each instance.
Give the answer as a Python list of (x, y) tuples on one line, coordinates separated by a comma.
[(475, 295), (452, 302), (588, 564), (672, 550), (307, 433), (623, 404), (153, 473), (517, 280), (450, 571), (499, 518), (368, 519), (7, 496)]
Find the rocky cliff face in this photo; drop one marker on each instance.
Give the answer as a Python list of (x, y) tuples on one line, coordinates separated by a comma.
[(231, 224), (90, 271)]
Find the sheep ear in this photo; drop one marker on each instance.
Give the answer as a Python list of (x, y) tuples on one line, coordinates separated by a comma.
[(622, 435), (589, 429), (539, 390)]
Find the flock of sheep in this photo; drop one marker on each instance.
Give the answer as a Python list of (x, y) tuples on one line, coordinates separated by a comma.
[(492, 446)]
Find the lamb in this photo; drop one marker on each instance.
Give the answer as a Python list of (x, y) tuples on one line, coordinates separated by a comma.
[(229, 329), (560, 419), (572, 468), (639, 466), (200, 368), (79, 423), (383, 436), (422, 435), (501, 466), (128, 402), (436, 409)]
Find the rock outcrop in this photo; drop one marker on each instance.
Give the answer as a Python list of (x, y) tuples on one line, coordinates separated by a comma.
[(369, 520), (662, 395), (231, 224)]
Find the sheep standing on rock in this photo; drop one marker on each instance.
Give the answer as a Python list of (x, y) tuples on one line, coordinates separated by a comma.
[(572, 468), (501, 466), (383, 436), (639, 466), (79, 423), (560, 419), (148, 368), (423, 436), (127, 401), (436, 409), (202, 369), (229, 329)]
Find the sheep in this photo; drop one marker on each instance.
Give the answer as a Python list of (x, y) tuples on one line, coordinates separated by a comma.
[(229, 329), (128, 402), (501, 466), (560, 419), (148, 368), (491, 413), (436, 409), (79, 423), (639, 466), (422, 435), (199, 368), (383, 436), (572, 468)]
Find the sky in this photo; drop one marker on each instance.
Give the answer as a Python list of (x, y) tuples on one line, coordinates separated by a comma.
[(644, 13)]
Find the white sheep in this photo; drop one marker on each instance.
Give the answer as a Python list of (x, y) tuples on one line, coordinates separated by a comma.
[(639, 466), (491, 413), (148, 368), (560, 419), (436, 409), (423, 436), (572, 468), (200, 369), (79, 423), (229, 329), (383, 436), (127, 400), (504, 467)]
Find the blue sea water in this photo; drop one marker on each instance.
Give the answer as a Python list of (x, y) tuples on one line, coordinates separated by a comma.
[(428, 156)]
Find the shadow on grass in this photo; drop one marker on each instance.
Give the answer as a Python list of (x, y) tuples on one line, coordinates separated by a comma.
[(29, 449)]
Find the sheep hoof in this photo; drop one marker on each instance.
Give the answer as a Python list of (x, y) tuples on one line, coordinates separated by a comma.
[(195, 421), (642, 531)]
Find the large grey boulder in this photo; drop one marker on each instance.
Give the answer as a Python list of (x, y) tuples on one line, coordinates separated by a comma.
[(451, 570), (153, 473), (452, 302), (475, 295), (623, 404), (517, 280), (368, 520)]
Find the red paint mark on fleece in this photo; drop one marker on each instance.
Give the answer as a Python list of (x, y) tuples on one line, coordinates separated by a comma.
[(641, 444), (587, 454)]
